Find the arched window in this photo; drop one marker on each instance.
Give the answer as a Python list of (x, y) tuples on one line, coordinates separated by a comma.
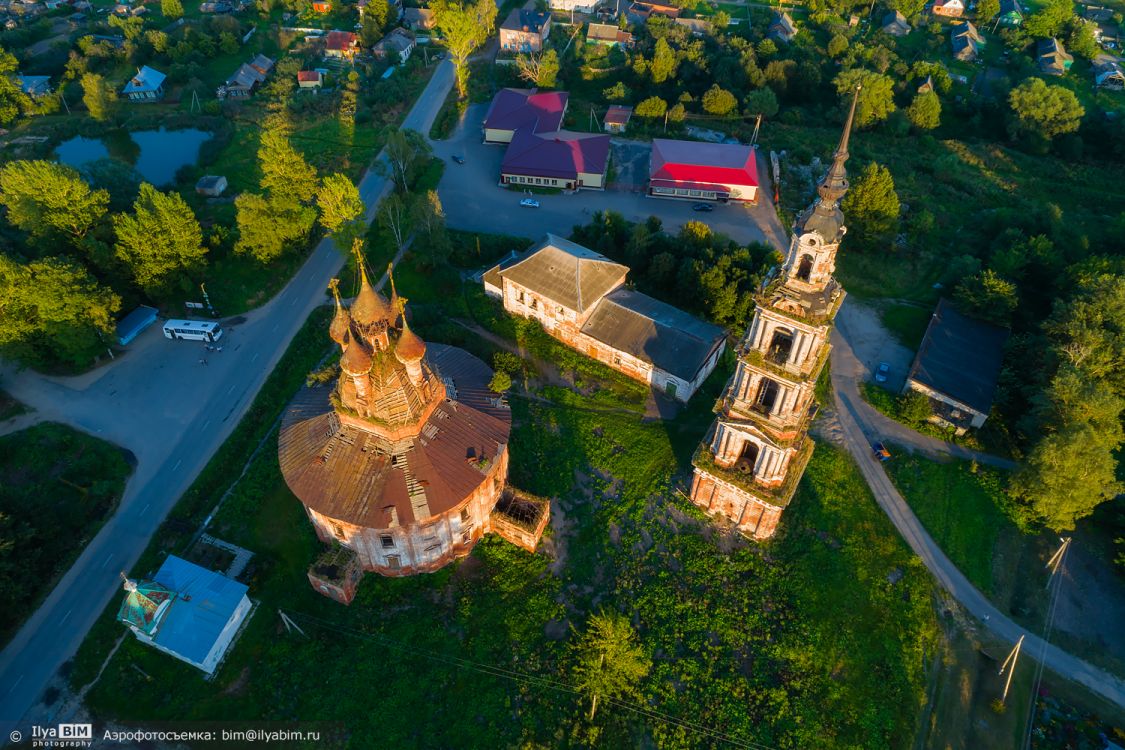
[(767, 396), (780, 347), (804, 269), (747, 458)]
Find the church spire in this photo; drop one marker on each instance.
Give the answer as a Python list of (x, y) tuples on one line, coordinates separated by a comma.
[(341, 321), (835, 183)]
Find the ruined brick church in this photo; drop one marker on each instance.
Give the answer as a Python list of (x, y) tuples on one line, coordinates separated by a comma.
[(402, 465), (752, 459)]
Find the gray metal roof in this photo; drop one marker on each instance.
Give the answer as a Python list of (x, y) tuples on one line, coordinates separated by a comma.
[(567, 273), (961, 357), (654, 332)]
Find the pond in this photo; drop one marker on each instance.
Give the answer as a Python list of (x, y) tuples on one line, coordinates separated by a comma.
[(156, 154)]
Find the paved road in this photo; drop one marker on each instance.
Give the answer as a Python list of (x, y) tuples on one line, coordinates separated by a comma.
[(856, 429), (473, 201), (173, 413), (859, 343)]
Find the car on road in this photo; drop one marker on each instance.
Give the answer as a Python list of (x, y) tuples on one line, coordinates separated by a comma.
[(530, 203), (882, 371), (458, 159), (702, 207), (881, 452)]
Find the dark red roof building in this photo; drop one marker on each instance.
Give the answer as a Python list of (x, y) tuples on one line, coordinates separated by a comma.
[(562, 159), (513, 109), (692, 170)]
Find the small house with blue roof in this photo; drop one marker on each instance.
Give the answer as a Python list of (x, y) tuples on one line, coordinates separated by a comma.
[(146, 86), (187, 611)]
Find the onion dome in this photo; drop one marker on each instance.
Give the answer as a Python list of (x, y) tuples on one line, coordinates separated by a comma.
[(369, 306), (341, 321), (410, 347), (357, 357)]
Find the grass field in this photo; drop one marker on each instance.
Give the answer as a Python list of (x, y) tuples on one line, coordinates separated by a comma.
[(907, 323), (57, 487)]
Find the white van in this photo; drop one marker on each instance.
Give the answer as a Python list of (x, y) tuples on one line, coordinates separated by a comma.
[(193, 330)]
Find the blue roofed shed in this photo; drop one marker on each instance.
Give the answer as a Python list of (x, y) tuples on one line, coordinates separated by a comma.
[(205, 612), (146, 85), (132, 324)]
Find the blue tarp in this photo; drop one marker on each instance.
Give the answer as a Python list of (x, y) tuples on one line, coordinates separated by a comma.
[(205, 602), (134, 323)]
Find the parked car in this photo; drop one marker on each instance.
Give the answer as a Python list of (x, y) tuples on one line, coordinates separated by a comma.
[(702, 207), (530, 203), (458, 159), (881, 372), (881, 452)]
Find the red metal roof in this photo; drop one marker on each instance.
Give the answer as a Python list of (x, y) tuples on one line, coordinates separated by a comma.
[(618, 115), (520, 108), (308, 75), (704, 163), (562, 154), (339, 41)]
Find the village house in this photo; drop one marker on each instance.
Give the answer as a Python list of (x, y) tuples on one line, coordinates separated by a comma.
[(396, 46), (341, 45), (211, 185), (966, 41), (525, 31), (418, 19), (1011, 13), (515, 109), (187, 611), (34, 86), (782, 29), (246, 80), (574, 6), (948, 8), (639, 13), (310, 79), (695, 26), (1108, 74), (146, 86), (216, 8), (403, 461), (608, 35), (578, 297), (322, 7), (564, 160), (957, 367), (1053, 59), (617, 118), (895, 24), (691, 170)]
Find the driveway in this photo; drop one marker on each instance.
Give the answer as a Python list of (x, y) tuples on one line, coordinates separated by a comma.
[(473, 201), (173, 413)]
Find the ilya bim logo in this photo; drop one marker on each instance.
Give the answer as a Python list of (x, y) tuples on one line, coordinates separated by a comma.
[(62, 735)]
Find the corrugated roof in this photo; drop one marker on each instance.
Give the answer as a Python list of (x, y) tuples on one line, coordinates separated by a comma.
[(961, 357), (205, 601), (512, 109), (566, 273), (695, 161), (618, 115), (654, 332), (561, 154), (355, 476), (146, 79)]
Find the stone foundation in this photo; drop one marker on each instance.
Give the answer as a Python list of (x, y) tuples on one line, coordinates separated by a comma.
[(751, 515)]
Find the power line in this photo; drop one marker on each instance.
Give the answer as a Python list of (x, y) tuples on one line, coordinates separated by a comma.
[(1056, 578), (544, 682)]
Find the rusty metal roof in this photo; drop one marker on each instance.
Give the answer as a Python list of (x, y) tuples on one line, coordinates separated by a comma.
[(356, 476)]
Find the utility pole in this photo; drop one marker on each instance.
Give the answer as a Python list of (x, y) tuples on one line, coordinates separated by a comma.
[(1057, 558), (1013, 657), (757, 125), (207, 300)]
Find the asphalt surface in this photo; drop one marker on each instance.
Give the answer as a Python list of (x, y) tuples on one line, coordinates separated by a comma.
[(473, 200), (172, 412), (858, 430)]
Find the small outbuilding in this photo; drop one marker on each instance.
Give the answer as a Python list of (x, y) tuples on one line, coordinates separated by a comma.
[(129, 327), (34, 86), (957, 367), (310, 79), (895, 24), (211, 185), (146, 86), (617, 118), (186, 611), (782, 29), (1053, 58)]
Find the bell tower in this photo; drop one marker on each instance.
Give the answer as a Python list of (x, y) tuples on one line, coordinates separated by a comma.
[(752, 459)]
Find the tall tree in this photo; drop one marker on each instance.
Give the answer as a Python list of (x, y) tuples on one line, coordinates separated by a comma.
[(871, 204), (46, 199), (97, 96), (160, 242), (13, 102), (987, 10), (53, 312), (924, 112), (285, 173), (341, 207), (172, 9), (539, 70), (268, 226), (465, 27), (1050, 19), (610, 659), (1043, 110), (652, 107), (719, 101), (429, 226), (876, 97), (987, 296), (394, 216), (663, 65), (404, 151)]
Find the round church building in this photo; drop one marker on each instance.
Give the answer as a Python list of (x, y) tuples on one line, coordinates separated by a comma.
[(402, 461)]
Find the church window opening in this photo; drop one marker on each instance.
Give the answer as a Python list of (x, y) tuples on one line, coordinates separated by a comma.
[(767, 396), (780, 347), (747, 457), (534, 304), (338, 530), (387, 541), (464, 515), (394, 562), (804, 270)]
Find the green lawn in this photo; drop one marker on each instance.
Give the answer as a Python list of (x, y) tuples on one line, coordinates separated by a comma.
[(907, 323), (57, 487)]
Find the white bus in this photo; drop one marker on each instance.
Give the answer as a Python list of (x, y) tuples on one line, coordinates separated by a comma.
[(193, 330)]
